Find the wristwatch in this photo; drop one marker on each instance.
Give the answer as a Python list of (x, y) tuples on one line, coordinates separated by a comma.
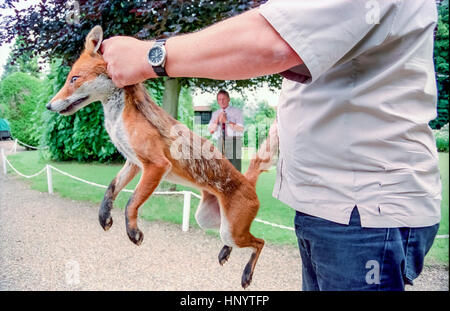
[(157, 57)]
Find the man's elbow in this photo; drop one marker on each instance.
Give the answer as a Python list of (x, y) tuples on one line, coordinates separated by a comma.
[(285, 56)]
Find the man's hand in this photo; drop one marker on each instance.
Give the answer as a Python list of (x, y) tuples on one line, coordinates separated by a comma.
[(222, 117), (127, 61)]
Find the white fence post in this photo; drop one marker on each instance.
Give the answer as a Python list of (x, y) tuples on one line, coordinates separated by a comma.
[(49, 179), (4, 161), (15, 145), (186, 210)]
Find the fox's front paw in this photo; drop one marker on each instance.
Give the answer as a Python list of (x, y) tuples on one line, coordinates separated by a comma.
[(106, 221)]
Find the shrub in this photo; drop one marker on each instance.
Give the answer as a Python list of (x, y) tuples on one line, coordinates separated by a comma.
[(20, 94), (442, 139)]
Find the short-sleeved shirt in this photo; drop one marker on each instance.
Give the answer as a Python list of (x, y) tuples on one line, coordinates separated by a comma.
[(353, 118), (233, 115)]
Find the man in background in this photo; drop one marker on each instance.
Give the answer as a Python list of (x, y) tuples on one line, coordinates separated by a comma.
[(227, 126)]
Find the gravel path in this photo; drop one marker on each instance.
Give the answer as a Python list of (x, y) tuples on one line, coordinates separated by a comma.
[(52, 243), (44, 238)]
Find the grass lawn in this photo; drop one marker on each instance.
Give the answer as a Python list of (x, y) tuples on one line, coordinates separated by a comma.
[(169, 208)]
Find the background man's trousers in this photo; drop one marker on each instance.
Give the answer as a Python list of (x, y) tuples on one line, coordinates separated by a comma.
[(231, 148)]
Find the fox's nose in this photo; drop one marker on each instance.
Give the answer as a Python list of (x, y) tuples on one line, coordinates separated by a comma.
[(49, 106)]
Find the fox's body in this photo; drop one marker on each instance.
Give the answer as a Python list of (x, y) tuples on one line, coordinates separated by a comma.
[(162, 148)]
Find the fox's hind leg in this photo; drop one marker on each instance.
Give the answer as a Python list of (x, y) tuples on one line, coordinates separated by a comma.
[(224, 254), (208, 211), (125, 175), (238, 213), (208, 217)]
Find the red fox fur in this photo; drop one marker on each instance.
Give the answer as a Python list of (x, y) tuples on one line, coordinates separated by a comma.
[(162, 148)]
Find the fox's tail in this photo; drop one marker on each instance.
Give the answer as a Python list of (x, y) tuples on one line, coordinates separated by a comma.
[(265, 157)]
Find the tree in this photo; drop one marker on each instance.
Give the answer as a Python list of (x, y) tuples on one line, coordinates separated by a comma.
[(47, 29), (261, 119), (50, 29), (441, 65), (24, 62)]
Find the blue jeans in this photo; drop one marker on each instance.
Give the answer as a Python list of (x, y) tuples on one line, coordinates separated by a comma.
[(349, 257)]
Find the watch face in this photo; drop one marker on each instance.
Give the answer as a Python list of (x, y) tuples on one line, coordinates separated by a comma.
[(156, 56)]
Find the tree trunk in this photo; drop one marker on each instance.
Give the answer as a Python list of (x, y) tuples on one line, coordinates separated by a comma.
[(172, 88)]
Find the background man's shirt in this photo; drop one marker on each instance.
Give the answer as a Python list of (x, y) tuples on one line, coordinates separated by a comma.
[(353, 126), (233, 115)]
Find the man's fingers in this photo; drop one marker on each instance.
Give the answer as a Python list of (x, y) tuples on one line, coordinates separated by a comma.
[(116, 78), (104, 48), (110, 64), (125, 64), (118, 84), (118, 81), (109, 70)]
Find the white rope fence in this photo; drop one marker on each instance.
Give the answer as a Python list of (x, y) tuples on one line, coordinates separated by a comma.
[(16, 141), (186, 194)]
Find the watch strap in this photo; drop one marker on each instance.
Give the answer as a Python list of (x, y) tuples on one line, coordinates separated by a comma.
[(160, 41), (160, 70)]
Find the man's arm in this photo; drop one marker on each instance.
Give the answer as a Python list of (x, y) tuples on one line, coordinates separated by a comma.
[(238, 125), (252, 48), (213, 123)]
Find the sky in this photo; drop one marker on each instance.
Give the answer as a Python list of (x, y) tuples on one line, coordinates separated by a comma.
[(6, 48), (4, 52)]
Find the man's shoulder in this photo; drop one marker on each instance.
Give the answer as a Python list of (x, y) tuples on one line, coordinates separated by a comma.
[(235, 109)]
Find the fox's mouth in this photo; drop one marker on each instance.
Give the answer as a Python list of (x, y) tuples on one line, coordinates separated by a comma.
[(74, 104)]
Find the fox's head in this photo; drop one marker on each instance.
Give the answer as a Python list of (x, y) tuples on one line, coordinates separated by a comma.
[(87, 81)]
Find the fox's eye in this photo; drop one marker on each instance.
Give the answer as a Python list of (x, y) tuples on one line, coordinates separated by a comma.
[(74, 78)]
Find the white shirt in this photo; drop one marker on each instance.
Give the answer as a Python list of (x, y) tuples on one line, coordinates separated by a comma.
[(233, 115), (354, 128)]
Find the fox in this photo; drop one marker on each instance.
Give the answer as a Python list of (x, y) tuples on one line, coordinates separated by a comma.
[(162, 148)]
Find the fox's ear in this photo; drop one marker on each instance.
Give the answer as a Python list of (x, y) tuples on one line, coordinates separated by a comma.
[(94, 40)]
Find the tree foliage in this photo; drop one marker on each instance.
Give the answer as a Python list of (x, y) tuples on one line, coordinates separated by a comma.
[(24, 62), (441, 63), (48, 29), (258, 117), (19, 95)]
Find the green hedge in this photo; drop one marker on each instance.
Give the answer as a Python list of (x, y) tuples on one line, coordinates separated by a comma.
[(442, 139), (20, 95), (441, 45)]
